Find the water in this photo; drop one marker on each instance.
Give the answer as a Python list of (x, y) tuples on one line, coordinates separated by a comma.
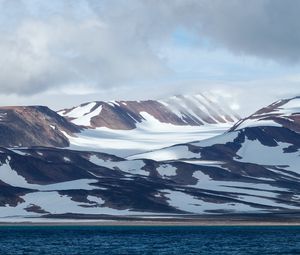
[(150, 240)]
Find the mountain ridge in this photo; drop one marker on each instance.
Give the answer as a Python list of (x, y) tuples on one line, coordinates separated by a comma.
[(194, 110)]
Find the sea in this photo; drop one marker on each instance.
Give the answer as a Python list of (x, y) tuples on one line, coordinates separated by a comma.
[(90, 240)]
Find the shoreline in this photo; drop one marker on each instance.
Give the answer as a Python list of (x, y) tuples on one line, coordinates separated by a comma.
[(268, 219), (196, 223)]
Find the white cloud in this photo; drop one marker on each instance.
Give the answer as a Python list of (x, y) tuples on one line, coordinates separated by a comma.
[(38, 55), (88, 49)]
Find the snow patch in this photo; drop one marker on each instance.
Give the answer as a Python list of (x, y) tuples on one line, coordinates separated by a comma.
[(11, 177), (255, 152), (85, 120), (191, 204), (166, 170), (80, 110)]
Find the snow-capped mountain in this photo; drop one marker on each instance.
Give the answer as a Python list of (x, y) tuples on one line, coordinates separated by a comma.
[(249, 169), (122, 128), (262, 149), (194, 110), (128, 127), (269, 127)]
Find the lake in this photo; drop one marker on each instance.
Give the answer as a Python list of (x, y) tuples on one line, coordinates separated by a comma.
[(149, 240)]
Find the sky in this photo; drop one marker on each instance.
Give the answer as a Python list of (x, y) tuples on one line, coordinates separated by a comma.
[(62, 53)]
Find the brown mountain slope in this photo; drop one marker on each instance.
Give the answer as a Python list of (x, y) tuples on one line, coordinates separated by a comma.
[(22, 126)]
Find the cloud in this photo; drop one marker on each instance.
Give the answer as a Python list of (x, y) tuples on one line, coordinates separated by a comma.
[(114, 46), (38, 54), (263, 28)]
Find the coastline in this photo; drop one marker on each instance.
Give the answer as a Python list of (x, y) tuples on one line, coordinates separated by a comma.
[(150, 223), (266, 219)]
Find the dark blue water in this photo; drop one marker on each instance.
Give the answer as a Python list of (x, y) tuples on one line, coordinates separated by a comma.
[(150, 240)]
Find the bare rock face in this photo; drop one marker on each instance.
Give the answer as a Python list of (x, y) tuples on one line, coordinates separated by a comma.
[(23, 126), (178, 110)]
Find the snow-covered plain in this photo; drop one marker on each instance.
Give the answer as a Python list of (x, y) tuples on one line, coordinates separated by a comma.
[(149, 135), (182, 151)]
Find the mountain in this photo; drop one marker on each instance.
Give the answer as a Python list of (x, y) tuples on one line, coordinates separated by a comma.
[(276, 125), (23, 126), (257, 160), (122, 128), (128, 127), (251, 169), (185, 110)]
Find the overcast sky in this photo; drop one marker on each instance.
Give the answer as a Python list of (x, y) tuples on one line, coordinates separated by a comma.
[(66, 52)]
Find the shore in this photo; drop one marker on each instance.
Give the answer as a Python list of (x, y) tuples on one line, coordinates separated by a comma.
[(153, 223), (266, 219)]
